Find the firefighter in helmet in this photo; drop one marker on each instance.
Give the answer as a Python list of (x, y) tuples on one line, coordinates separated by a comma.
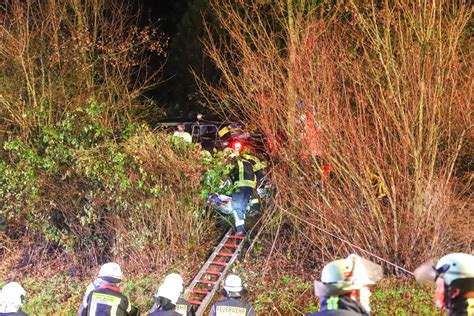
[(104, 296), (344, 286), (232, 304), (244, 181), (233, 131), (258, 167), (168, 300), (453, 275)]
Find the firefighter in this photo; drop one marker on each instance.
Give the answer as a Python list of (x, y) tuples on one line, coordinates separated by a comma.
[(259, 169), (243, 178), (104, 297), (343, 289), (453, 275), (232, 304), (168, 300), (12, 297)]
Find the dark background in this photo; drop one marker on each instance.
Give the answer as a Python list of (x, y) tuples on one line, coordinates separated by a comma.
[(182, 22)]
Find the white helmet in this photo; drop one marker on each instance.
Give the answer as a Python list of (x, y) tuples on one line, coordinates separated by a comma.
[(175, 280), (111, 272), (450, 267), (233, 283), (12, 297), (171, 288), (348, 274)]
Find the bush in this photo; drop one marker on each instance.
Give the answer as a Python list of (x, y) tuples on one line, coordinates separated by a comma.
[(356, 87), (56, 55), (130, 195)]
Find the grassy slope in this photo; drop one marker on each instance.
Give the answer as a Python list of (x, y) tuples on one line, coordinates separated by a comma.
[(286, 295)]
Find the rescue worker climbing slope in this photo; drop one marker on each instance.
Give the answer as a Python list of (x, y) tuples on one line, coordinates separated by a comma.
[(259, 169), (243, 178), (453, 275), (103, 296), (343, 289), (232, 305), (12, 298)]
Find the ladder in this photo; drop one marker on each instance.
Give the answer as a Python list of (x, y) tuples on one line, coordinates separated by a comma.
[(206, 283)]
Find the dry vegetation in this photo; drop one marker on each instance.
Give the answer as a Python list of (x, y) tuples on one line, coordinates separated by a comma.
[(80, 182), (380, 87), (56, 55), (390, 86)]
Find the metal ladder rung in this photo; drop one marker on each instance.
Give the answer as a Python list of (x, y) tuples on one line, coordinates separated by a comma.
[(212, 272), (202, 287), (199, 292), (207, 282), (231, 245)]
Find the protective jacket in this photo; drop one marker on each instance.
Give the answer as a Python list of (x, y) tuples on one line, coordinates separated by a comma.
[(257, 165), (165, 307), (463, 303), (339, 306), (232, 307), (107, 300), (242, 174)]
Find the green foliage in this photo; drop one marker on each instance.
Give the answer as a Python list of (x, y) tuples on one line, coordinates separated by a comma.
[(54, 59), (215, 179), (66, 184), (284, 295), (58, 295), (410, 298)]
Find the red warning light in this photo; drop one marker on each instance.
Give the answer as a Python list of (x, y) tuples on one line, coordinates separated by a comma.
[(237, 146)]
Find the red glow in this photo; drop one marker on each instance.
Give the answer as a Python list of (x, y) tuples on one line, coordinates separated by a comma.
[(237, 146)]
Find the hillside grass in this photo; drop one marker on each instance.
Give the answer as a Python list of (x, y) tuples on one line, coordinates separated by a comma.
[(286, 295)]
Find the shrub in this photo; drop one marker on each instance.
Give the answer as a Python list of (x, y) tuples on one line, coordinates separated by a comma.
[(133, 195), (357, 87), (56, 55)]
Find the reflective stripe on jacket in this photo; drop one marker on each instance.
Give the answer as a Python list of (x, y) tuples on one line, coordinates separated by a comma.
[(107, 301), (242, 175), (257, 164), (232, 307)]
